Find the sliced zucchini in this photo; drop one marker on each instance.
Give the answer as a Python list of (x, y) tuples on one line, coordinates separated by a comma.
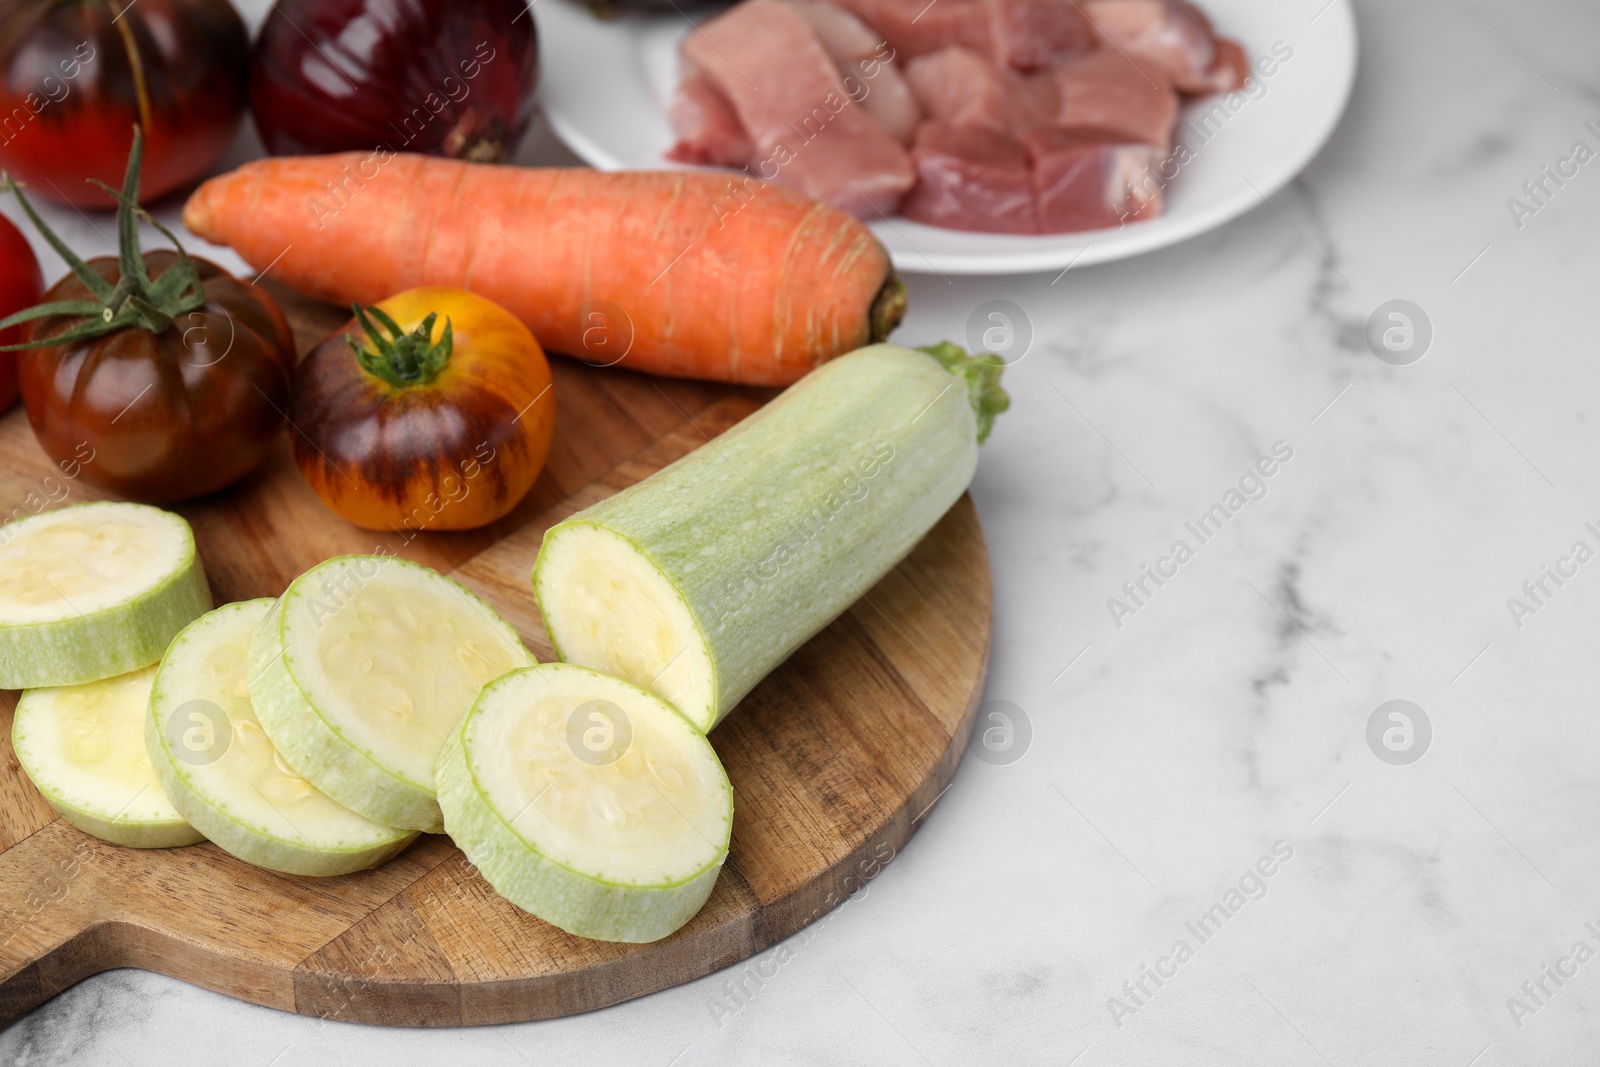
[(698, 581), (362, 669), (83, 747), (590, 802), (220, 770), (93, 591)]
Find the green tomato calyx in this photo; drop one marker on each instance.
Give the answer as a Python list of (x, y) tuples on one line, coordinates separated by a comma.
[(401, 359)]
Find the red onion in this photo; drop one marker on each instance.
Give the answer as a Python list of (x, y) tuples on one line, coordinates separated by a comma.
[(443, 77)]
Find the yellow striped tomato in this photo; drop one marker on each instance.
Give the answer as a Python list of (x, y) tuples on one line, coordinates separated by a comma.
[(432, 410)]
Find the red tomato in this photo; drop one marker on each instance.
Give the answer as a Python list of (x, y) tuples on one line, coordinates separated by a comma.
[(20, 287), (76, 76)]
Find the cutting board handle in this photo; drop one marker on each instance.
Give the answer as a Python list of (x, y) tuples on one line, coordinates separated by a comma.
[(50, 887)]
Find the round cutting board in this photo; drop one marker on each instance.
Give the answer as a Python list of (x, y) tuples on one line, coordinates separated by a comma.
[(835, 759)]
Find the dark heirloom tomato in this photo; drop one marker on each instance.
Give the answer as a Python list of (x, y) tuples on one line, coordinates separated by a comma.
[(174, 376), (170, 415), (441, 77), (76, 75), (20, 285), (439, 418)]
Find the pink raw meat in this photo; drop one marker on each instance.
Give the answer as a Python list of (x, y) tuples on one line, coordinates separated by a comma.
[(708, 130), (1025, 34), (1031, 34), (865, 60), (1105, 90), (790, 98), (1173, 35), (970, 178), (1230, 69), (959, 87), (917, 27), (1084, 180)]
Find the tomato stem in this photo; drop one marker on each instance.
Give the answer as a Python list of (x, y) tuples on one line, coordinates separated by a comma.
[(135, 300), (155, 320), (402, 359)]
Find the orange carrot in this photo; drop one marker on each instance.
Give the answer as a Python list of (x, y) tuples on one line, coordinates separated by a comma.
[(694, 275)]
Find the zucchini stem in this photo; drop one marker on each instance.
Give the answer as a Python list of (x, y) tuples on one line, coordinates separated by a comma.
[(981, 373)]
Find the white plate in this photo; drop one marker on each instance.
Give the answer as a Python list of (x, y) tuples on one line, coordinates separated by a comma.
[(606, 85)]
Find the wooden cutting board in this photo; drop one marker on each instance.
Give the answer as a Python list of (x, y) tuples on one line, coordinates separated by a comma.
[(835, 759)]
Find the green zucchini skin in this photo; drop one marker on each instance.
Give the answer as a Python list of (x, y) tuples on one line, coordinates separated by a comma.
[(113, 640), (772, 530), (118, 827), (582, 904), (541, 887), (307, 740), (315, 746), (221, 822)]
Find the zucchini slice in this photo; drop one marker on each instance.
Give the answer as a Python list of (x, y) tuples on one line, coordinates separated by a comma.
[(590, 802), (221, 771), (698, 581), (93, 591), (83, 747), (362, 669)]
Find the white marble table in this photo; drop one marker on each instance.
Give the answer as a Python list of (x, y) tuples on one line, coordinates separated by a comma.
[(1230, 713)]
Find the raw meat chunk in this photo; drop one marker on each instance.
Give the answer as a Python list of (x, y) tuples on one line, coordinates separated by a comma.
[(970, 178), (1030, 34), (917, 27), (1230, 69), (1105, 90), (1022, 116), (865, 60), (790, 98), (1025, 34), (1172, 35), (1088, 180), (959, 87), (708, 130)]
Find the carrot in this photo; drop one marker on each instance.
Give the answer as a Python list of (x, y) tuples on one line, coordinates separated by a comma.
[(693, 275)]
